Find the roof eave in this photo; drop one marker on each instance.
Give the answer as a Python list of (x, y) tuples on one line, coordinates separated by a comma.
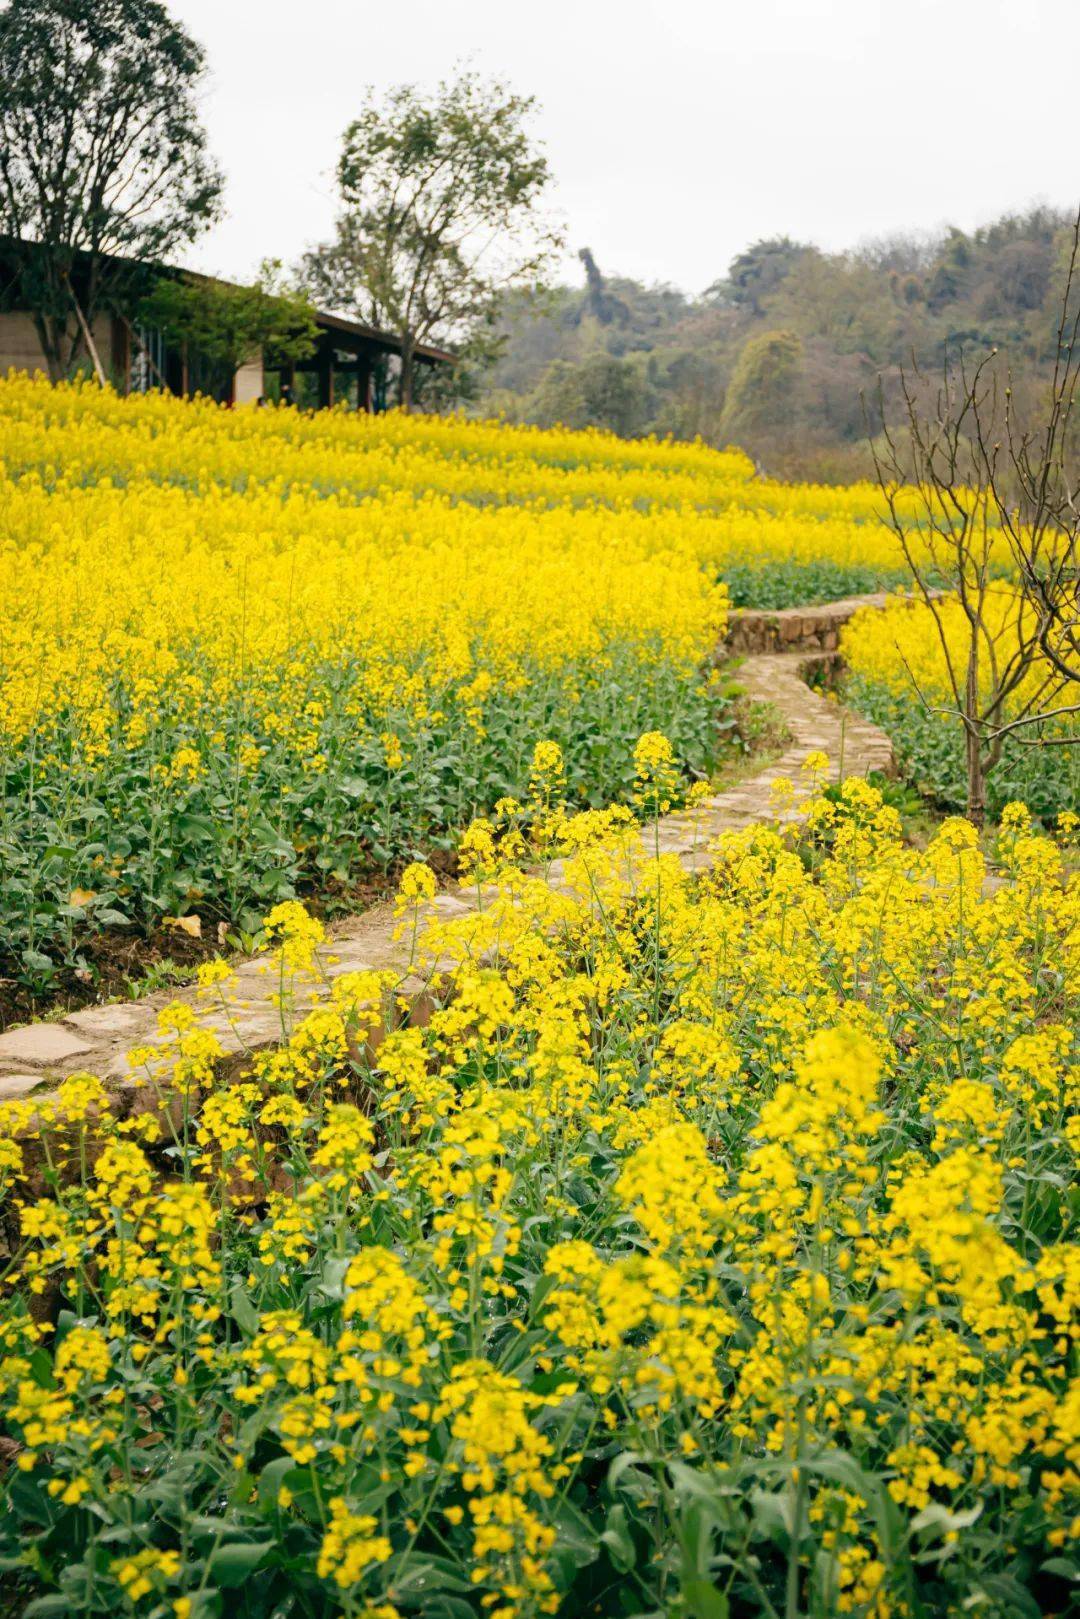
[(375, 334)]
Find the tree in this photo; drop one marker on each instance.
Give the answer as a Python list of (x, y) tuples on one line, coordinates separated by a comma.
[(102, 154), (604, 390), (441, 196), (763, 389), (1018, 657), (951, 271), (603, 305), (1032, 478), (228, 325), (757, 272)]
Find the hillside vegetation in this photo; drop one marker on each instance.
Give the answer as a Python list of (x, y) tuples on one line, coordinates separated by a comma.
[(781, 354)]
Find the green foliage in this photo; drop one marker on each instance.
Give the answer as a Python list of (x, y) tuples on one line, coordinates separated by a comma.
[(603, 391), (931, 753), (764, 384), (775, 585), (103, 847), (705, 1253), (859, 316), (757, 272), (440, 212), (227, 325), (74, 74)]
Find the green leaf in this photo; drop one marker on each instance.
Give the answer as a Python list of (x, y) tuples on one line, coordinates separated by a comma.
[(36, 962), (1008, 1596), (772, 1514), (30, 1501), (271, 1479), (426, 1575), (626, 1461), (244, 1312), (193, 828), (618, 1540), (703, 1599), (577, 1540), (444, 1606), (332, 1279), (231, 1565)]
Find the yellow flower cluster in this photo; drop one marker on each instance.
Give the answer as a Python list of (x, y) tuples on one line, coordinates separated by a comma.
[(900, 678), (246, 651), (697, 1245), (901, 646)]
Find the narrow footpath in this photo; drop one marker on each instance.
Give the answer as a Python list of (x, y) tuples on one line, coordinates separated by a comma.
[(778, 648)]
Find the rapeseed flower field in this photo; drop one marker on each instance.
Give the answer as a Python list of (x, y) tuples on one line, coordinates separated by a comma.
[(899, 678), (253, 654), (691, 1248)]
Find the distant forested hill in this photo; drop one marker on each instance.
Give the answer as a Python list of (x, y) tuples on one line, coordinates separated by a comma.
[(776, 354)]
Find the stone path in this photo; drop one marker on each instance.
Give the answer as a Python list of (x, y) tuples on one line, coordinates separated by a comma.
[(98, 1038)]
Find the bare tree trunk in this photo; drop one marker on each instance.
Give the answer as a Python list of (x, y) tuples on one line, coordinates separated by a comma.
[(973, 485), (88, 339), (976, 781)]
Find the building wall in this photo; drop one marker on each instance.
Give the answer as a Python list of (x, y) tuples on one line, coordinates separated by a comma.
[(20, 349), (19, 346), (249, 383)]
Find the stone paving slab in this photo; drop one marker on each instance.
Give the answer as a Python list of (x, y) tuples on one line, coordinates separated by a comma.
[(42, 1045), (97, 1039)]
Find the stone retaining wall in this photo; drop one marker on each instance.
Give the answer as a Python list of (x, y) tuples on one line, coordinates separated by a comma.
[(809, 629)]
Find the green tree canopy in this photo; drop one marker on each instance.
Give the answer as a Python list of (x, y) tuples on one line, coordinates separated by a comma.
[(102, 153), (441, 199), (756, 272), (860, 316), (228, 325), (762, 394), (603, 391)]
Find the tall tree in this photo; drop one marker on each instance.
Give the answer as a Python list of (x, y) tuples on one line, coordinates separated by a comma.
[(757, 272), (605, 390), (763, 393), (102, 154), (441, 214)]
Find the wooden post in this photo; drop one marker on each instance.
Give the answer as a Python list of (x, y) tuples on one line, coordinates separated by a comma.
[(363, 385), (121, 353), (326, 379)]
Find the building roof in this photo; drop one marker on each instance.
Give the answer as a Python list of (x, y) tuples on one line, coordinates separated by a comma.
[(354, 334), (374, 334)]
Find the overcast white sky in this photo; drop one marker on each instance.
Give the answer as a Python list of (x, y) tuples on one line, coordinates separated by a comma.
[(678, 130)]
